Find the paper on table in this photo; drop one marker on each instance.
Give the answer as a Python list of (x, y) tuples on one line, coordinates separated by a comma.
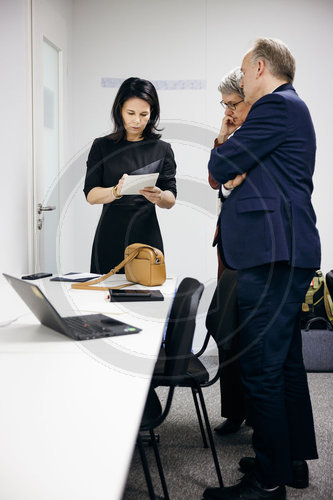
[(133, 183), (75, 277)]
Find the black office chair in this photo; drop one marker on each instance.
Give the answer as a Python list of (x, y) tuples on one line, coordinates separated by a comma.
[(178, 343), (221, 324)]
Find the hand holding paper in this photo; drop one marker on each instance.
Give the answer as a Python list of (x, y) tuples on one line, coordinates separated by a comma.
[(134, 183), (152, 194)]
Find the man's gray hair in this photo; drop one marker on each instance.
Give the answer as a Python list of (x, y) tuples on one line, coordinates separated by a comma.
[(230, 83), (277, 56)]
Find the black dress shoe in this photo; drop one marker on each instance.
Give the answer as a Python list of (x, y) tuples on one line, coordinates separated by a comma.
[(247, 489), (228, 426), (300, 471)]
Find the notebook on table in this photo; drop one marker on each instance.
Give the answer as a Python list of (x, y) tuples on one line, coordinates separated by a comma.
[(83, 327)]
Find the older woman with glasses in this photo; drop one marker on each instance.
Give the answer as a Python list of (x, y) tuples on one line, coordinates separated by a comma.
[(232, 393), (236, 110)]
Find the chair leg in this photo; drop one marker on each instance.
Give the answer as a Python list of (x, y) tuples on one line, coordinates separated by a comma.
[(210, 437), (146, 468), (203, 434), (146, 439), (159, 465)]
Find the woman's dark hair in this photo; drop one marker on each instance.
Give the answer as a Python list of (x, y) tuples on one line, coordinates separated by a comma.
[(143, 89)]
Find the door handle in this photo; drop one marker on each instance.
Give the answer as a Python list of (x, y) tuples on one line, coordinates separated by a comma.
[(41, 209)]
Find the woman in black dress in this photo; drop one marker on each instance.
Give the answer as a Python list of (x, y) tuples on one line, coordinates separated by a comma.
[(133, 148)]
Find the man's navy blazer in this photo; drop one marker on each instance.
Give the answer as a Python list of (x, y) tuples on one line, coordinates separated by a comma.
[(270, 217)]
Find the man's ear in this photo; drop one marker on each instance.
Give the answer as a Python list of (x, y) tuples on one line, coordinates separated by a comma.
[(260, 67)]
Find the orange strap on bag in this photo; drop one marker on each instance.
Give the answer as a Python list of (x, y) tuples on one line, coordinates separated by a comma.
[(143, 264)]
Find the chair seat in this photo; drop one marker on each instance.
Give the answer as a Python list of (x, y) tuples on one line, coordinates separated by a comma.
[(196, 372)]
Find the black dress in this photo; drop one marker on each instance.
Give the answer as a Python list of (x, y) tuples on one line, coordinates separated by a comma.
[(132, 218)]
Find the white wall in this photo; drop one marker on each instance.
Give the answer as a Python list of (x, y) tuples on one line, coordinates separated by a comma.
[(196, 40), (14, 133), (307, 28), (144, 39), (158, 40), (16, 201)]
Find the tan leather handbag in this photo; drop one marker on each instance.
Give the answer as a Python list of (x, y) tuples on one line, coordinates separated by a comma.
[(143, 264)]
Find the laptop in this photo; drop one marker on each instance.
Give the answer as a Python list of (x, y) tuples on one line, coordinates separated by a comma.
[(91, 326)]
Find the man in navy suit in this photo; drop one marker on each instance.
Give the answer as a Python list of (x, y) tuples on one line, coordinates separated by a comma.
[(270, 237)]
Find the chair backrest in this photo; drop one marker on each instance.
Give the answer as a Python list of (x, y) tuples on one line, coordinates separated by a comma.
[(222, 316), (180, 330)]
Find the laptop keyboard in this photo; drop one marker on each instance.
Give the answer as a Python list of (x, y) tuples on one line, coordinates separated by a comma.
[(86, 328)]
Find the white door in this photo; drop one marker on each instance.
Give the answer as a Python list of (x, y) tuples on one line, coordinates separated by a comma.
[(49, 60)]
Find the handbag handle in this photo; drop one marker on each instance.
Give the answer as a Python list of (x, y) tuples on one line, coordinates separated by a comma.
[(89, 285), (318, 319)]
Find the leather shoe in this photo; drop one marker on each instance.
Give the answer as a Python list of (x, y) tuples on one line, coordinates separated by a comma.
[(229, 426), (248, 488), (300, 471)]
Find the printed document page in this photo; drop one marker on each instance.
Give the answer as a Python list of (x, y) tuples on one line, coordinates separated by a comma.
[(133, 183)]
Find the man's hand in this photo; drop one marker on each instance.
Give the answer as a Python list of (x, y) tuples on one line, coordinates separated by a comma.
[(237, 181)]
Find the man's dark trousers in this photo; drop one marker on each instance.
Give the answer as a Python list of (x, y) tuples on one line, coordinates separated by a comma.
[(270, 298)]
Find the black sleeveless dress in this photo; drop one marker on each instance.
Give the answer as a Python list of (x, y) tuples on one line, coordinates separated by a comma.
[(132, 218)]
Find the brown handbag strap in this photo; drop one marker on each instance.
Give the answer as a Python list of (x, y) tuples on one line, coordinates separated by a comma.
[(89, 285)]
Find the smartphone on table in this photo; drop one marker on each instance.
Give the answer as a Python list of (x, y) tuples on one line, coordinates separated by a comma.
[(36, 276)]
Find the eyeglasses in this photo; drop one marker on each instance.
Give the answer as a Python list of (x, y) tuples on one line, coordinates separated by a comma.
[(230, 105)]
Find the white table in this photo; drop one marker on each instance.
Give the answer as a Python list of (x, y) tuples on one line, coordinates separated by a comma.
[(70, 411)]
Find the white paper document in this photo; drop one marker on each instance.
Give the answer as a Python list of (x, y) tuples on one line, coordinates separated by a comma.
[(133, 183), (76, 277)]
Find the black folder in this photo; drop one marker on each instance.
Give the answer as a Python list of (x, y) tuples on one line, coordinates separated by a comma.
[(135, 295)]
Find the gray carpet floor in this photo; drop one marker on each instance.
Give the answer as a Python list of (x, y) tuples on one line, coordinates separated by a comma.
[(189, 467)]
